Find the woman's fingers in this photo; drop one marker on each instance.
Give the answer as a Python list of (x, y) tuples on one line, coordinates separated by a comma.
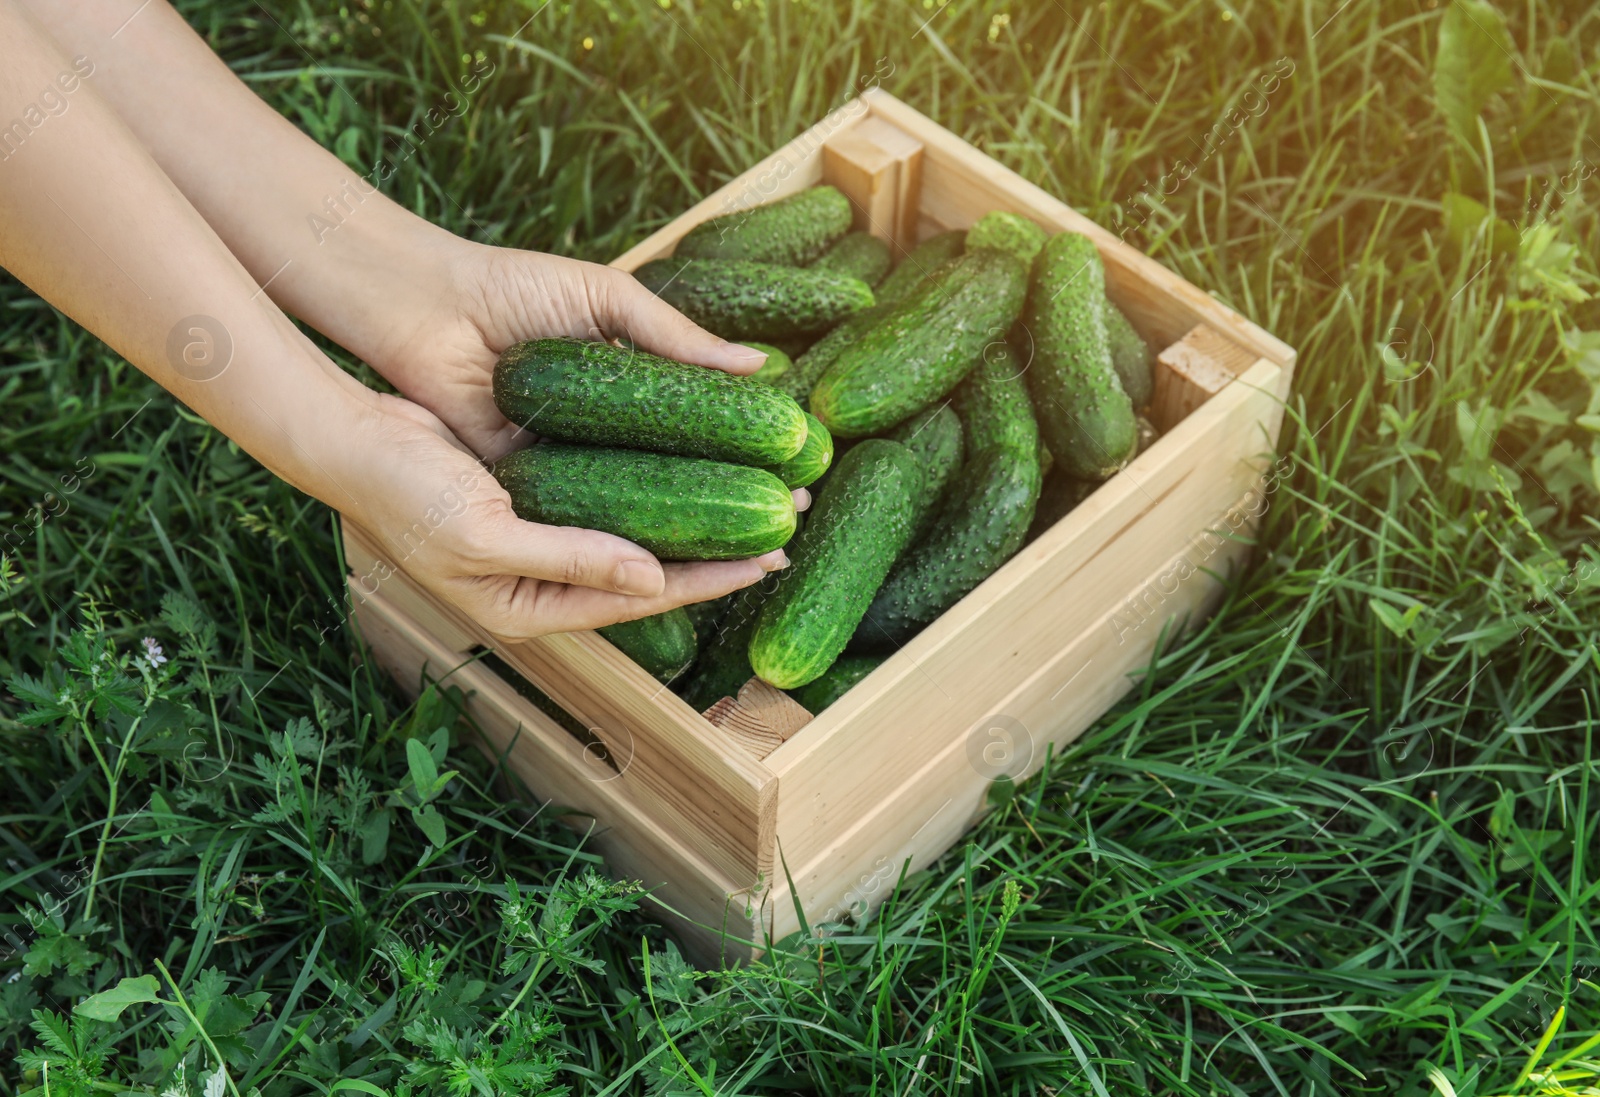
[(535, 608), (579, 557), (623, 306)]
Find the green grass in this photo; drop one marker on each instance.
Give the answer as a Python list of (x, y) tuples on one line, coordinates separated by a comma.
[(1340, 840)]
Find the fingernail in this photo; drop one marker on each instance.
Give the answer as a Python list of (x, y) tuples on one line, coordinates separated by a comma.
[(739, 350), (640, 577), (802, 499), (779, 564)]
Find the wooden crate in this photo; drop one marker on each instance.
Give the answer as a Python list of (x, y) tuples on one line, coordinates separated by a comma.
[(740, 823)]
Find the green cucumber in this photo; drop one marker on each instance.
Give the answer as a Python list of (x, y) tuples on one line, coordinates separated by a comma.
[(740, 299), (1130, 356), (705, 616), (835, 682), (792, 231), (919, 265), (983, 521), (663, 643), (724, 663), (935, 436), (922, 347), (858, 254), (1008, 232), (810, 366), (577, 391), (1062, 493), (680, 508), (812, 460), (859, 526), (1084, 413), (777, 364)]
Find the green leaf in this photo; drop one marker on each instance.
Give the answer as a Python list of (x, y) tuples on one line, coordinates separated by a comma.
[(1390, 617), (424, 773), (1464, 217), (109, 1004), (430, 822), (1473, 63)]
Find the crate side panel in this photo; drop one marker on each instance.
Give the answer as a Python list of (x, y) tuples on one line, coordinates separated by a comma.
[(935, 689), (692, 777), (928, 813), (552, 764)]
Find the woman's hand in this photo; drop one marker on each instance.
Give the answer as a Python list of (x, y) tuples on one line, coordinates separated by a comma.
[(439, 515), (494, 297)]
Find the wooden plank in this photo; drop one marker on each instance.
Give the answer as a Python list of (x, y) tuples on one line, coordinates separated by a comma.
[(879, 168), (551, 763), (370, 574), (762, 716), (870, 742), (926, 814), (960, 184), (693, 777), (1192, 371), (789, 170)]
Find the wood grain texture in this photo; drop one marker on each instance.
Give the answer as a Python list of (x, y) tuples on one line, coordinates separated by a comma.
[(695, 778), (1192, 371), (762, 717), (582, 792), (879, 168)]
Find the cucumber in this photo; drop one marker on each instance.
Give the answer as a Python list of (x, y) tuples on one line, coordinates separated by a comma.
[(1062, 493), (810, 366), (740, 299), (859, 526), (663, 643), (983, 521), (920, 349), (812, 460), (705, 616), (935, 436), (858, 254), (919, 265), (1130, 356), (792, 231), (1084, 413), (835, 682), (777, 364), (680, 508), (1008, 232), (724, 663), (1147, 435), (577, 391)]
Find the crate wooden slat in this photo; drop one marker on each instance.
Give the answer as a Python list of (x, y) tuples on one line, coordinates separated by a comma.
[(887, 777)]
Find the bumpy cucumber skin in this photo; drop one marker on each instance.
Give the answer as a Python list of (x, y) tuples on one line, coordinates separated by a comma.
[(578, 391), (858, 254), (740, 299), (792, 231), (812, 460), (777, 364), (858, 528), (1084, 413), (663, 643), (1130, 357), (922, 347), (835, 682), (935, 436), (810, 366), (1008, 232), (983, 521), (724, 663), (919, 265), (680, 508)]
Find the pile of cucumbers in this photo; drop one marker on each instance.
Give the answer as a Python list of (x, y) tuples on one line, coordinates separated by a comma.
[(975, 392)]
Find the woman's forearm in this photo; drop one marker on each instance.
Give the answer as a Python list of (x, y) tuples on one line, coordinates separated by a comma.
[(325, 244), (90, 222)]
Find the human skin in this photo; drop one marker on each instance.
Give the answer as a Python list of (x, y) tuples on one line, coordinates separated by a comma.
[(167, 190)]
